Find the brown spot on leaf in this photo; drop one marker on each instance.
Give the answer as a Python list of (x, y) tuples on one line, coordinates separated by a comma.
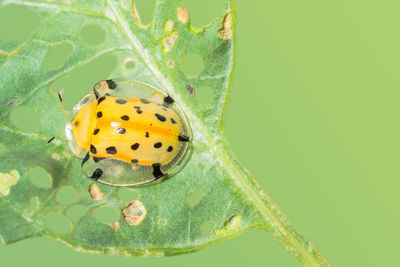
[(169, 41), (225, 32), (115, 226), (134, 212), (182, 15), (95, 192)]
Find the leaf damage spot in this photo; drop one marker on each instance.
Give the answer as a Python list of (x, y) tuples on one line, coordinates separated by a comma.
[(191, 89), (134, 212), (162, 221), (170, 63), (194, 197), (207, 227), (169, 41), (56, 156), (95, 192), (182, 15), (168, 25), (225, 32), (130, 63), (7, 180), (33, 206), (66, 154), (115, 225), (232, 225)]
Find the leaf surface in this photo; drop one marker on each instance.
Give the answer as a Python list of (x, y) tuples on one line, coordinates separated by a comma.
[(210, 199)]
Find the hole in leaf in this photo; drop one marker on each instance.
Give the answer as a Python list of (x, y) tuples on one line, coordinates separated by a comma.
[(26, 119), (57, 56), (203, 12), (57, 223), (127, 194), (11, 29), (205, 95), (76, 212), (195, 197), (207, 227), (92, 34), (67, 195), (33, 206), (192, 64), (81, 80), (3, 148), (40, 177), (106, 214), (145, 8), (130, 63)]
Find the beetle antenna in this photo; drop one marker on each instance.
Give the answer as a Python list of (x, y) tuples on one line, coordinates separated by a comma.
[(59, 93)]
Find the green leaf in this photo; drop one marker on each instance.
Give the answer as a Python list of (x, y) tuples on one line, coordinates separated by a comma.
[(211, 199)]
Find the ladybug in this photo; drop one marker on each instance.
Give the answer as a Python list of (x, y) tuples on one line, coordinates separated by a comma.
[(127, 132)]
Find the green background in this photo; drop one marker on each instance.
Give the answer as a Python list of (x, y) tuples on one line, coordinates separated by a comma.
[(313, 115)]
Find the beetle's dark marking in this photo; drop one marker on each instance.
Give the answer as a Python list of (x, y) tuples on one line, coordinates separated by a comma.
[(96, 131), (111, 150), (93, 149), (160, 117), (51, 139), (170, 148), (157, 173), (158, 145), (101, 99), (147, 134), (121, 101), (97, 159), (76, 123), (173, 121), (96, 94), (96, 174), (107, 94), (86, 158), (144, 101), (139, 111), (99, 114), (121, 130), (125, 118), (168, 100), (134, 161), (183, 138), (164, 109), (135, 146), (111, 84)]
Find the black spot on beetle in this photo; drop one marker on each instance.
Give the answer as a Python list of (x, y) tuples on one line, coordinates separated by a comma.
[(168, 100), (160, 117), (147, 134), (173, 121), (170, 148), (111, 84), (139, 111), (97, 159), (157, 173), (93, 149), (96, 174), (134, 161), (111, 150), (183, 138), (76, 123), (99, 114), (121, 130), (135, 146), (86, 158), (125, 118), (96, 131), (120, 101), (158, 145), (144, 101), (101, 99)]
